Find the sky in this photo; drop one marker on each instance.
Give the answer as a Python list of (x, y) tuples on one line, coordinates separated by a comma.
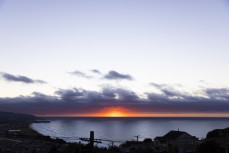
[(115, 57)]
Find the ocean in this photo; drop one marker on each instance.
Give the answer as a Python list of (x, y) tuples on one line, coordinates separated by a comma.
[(119, 130)]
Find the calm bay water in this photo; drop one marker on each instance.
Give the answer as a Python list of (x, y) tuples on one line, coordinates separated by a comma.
[(122, 129)]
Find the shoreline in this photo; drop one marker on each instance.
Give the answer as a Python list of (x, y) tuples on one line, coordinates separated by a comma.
[(30, 138), (41, 121)]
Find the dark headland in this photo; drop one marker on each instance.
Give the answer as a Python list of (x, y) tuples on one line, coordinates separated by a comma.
[(16, 136)]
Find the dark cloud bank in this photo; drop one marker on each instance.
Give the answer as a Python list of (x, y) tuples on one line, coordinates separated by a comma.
[(79, 101)]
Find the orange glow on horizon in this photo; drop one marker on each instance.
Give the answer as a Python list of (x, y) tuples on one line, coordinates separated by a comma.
[(124, 112)]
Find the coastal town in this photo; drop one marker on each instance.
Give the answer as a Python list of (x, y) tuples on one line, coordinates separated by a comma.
[(16, 136), (114, 76)]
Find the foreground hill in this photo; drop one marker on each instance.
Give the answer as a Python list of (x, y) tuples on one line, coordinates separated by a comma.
[(8, 117)]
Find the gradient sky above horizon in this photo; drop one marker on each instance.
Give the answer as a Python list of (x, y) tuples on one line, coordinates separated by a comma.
[(180, 43)]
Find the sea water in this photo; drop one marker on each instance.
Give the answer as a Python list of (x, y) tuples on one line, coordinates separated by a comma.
[(119, 130)]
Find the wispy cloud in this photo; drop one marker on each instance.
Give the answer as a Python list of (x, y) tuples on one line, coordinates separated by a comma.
[(96, 71), (169, 93), (20, 78), (113, 75), (81, 74)]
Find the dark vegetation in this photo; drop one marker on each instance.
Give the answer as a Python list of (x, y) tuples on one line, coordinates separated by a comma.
[(216, 141), (210, 147), (218, 133)]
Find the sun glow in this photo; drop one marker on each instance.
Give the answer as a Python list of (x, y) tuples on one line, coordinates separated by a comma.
[(114, 112)]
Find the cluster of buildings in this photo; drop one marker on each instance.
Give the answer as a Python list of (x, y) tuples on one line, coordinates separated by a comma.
[(178, 142), (172, 142)]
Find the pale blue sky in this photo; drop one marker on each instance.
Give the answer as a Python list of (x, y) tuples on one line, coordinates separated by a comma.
[(160, 41)]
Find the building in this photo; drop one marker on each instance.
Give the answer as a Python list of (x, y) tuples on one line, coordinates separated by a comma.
[(176, 142)]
